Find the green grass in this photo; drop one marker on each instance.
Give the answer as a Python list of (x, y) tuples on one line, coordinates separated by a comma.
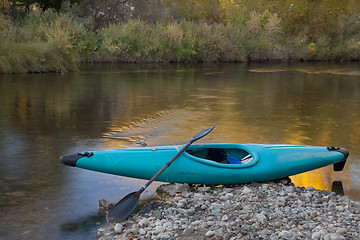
[(56, 42)]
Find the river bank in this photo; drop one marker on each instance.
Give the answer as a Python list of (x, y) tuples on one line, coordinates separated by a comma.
[(59, 41), (271, 210)]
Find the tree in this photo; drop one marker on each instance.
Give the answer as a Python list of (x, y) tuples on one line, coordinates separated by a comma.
[(102, 12), (208, 10)]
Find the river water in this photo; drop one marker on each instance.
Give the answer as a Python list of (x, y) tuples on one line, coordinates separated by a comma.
[(43, 116)]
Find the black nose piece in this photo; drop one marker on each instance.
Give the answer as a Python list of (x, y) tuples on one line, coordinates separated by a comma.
[(339, 166), (345, 152), (337, 149), (70, 159)]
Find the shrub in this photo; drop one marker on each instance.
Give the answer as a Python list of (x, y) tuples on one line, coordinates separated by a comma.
[(43, 41)]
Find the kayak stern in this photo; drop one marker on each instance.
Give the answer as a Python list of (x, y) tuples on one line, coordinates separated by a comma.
[(339, 166)]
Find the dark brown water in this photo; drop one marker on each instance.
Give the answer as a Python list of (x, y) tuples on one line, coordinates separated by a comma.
[(110, 106)]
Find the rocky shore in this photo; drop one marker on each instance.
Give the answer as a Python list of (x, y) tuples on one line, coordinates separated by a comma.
[(271, 210)]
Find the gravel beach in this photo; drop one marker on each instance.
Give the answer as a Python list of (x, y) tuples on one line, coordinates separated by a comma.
[(270, 210)]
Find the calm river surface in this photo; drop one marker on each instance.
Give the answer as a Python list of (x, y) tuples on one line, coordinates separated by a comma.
[(43, 116)]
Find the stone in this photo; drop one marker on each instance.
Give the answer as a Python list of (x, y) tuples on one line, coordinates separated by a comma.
[(254, 211), (203, 189), (105, 205), (261, 217), (167, 225), (225, 218), (316, 236), (310, 188), (289, 189), (144, 222), (188, 231), (159, 229), (142, 231), (210, 233), (335, 236), (118, 228), (340, 208), (285, 234), (341, 231), (246, 190), (308, 195), (172, 189), (327, 236), (163, 236)]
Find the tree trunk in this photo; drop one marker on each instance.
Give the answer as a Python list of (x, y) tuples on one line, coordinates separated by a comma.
[(13, 10)]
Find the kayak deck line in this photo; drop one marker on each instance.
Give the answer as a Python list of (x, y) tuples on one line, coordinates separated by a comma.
[(209, 163)]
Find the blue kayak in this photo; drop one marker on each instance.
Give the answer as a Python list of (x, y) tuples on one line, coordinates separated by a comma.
[(211, 163)]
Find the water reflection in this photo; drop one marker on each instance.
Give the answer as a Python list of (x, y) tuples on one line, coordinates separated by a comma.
[(337, 188), (110, 106)]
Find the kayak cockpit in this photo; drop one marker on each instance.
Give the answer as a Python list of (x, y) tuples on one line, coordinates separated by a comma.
[(222, 155)]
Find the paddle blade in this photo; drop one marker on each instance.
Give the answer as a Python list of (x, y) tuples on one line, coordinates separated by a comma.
[(123, 208), (201, 134)]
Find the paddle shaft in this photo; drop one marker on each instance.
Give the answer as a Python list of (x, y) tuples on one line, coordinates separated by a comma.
[(166, 166), (126, 205)]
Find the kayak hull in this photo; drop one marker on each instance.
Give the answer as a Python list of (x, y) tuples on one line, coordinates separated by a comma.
[(269, 162)]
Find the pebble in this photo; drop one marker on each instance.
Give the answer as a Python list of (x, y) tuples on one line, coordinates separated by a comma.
[(225, 218), (261, 217), (203, 189), (164, 236), (159, 229), (308, 195), (340, 208), (335, 236), (210, 233), (118, 228), (316, 235), (188, 231), (341, 231), (285, 234), (271, 210), (144, 222), (246, 190), (142, 231)]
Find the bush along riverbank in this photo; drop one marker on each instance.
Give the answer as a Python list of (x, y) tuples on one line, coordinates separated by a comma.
[(58, 41), (271, 210)]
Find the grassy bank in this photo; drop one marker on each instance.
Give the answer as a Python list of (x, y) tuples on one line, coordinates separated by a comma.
[(59, 41), (42, 42)]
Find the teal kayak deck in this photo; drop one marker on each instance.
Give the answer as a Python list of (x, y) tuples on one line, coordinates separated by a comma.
[(268, 161)]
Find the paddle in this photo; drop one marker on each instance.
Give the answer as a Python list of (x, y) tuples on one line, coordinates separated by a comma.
[(125, 206)]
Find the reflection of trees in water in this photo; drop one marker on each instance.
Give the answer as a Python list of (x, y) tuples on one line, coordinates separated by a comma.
[(48, 106)]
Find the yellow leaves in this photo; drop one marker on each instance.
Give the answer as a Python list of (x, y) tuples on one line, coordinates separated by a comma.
[(230, 9), (311, 47), (229, 4)]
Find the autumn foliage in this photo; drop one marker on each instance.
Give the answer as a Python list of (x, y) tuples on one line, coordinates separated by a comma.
[(44, 39)]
